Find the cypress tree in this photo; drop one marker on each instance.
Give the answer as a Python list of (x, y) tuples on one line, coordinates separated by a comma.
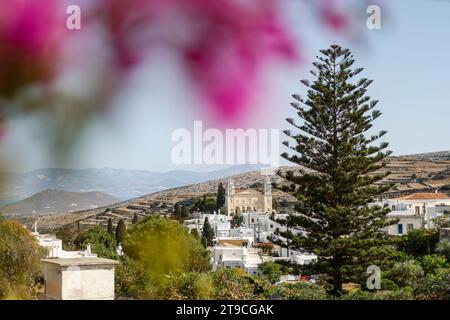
[(220, 196), (135, 219), (341, 226), (111, 228), (177, 211), (121, 231), (207, 233)]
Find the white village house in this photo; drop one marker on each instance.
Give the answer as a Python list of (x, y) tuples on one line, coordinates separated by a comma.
[(75, 275), (416, 211)]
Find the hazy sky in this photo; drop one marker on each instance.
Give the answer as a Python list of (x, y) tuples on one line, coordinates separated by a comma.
[(409, 59)]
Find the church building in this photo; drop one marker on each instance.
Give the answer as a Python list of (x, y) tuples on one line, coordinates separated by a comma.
[(248, 200)]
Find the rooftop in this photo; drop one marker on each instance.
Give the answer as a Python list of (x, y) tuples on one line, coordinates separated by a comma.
[(81, 261), (427, 196)]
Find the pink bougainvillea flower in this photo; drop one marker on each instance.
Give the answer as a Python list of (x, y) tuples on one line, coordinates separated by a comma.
[(333, 15), (223, 44), (337, 20), (30, 32)]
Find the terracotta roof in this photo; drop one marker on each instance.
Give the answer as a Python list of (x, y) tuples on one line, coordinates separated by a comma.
[(427, 196)]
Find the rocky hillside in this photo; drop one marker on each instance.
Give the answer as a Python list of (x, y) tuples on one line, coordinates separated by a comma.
[(53, 201), (439, 155)]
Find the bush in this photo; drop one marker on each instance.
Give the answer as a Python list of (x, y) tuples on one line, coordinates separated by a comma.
[(270, 271), (434, 286), (405, 273), (357, 295), (102, 243), (236, 221), (165, 246), (19, 262), (157, 249), (419, 242), (236, 284), (431, 263), (188, 286), (301, 291), (443, 249), (405, 293), (389, 285), (133, 280)]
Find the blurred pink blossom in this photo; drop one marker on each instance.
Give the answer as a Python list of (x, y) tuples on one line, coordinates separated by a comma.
[(223, 44), (30, 34)]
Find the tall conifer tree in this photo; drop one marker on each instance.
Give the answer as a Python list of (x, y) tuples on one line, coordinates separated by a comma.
[(111, 229), (207, 233), (334, 211), (121, 232), (135, 219), (220, 196)]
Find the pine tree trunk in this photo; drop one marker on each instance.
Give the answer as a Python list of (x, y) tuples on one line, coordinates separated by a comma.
[(337, 283)]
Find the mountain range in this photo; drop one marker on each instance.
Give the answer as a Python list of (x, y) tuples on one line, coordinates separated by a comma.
[(55, 201), (120, 183)]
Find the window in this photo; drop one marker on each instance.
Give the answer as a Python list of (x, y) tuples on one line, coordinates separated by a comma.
[(400, 228), (410, 226), (417, 210)]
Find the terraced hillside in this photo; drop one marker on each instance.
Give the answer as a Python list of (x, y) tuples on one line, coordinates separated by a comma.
[(409, 174)]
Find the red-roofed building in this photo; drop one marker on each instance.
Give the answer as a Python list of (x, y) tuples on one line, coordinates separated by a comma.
[(426, 196), (416, 211)]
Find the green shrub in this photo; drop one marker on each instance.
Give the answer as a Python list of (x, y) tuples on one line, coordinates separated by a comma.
[(188, 286), (405, 273), (101, 242), (300, 291), (443, 249), (19, 262), (431, 263), (236, 284), (434, 286), (270, 271)]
